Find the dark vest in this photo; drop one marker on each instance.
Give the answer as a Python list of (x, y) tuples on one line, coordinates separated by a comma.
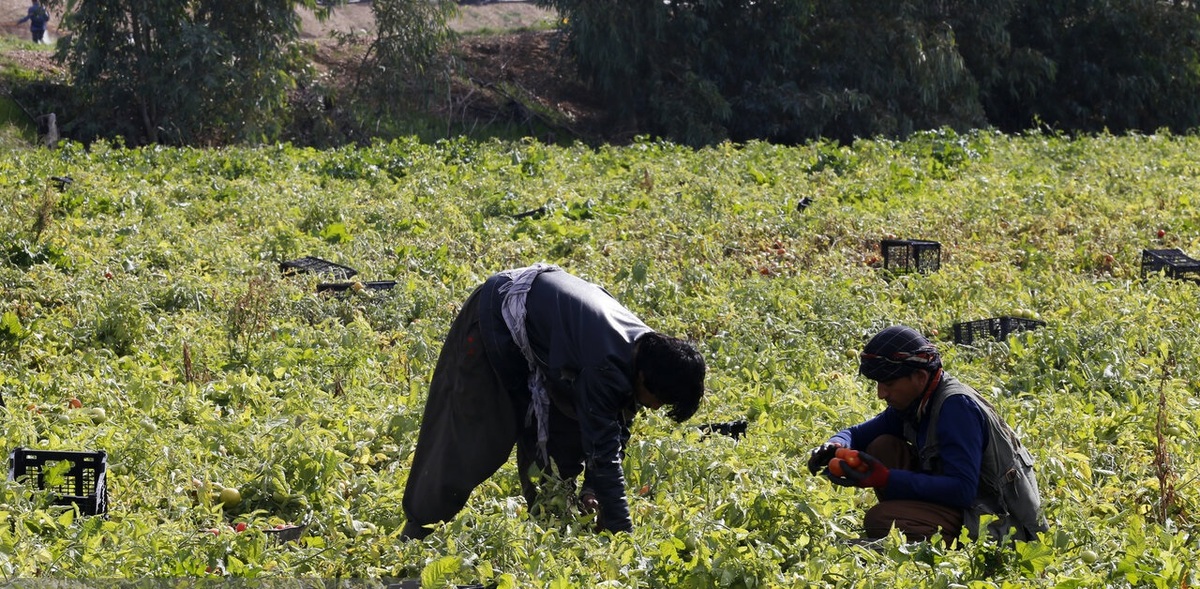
[(1007, 485)]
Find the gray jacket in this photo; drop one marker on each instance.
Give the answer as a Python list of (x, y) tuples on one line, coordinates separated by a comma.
[(1007, 485)]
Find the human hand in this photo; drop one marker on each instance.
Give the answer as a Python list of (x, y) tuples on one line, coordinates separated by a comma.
[(588, 502), (870, 472), (821, 455)]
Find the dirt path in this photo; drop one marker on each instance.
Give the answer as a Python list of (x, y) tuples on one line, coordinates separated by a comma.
[(493, 17), (351, 18)]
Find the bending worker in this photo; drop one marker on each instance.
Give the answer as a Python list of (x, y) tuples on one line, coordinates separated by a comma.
[(938, 456), (555, 365)]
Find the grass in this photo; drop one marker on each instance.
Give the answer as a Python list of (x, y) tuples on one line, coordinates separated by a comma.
[(499, 19), (16, 128)]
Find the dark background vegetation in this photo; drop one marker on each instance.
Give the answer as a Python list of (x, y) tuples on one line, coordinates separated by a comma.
[(696, 72), (791, 70)]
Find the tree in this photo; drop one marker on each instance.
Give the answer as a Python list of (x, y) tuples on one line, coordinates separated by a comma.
[(181, 71), (1121, 65), (408, 51), (404, 66), (884, 69), (699, 71), (785, 70)]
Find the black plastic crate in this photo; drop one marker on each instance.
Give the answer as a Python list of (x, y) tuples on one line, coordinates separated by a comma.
[(911, 255), (997, 328), (314, 265), (734, 429), (537, 213), (1172, 262), (62, 182), (289, 533), (345, 286), (81, 483)]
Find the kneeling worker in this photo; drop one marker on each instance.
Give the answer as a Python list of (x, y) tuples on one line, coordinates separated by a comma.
[(553, 364), (938, 456)]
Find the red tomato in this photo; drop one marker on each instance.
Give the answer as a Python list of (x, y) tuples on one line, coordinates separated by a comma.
[(852, 459), (835, 467)]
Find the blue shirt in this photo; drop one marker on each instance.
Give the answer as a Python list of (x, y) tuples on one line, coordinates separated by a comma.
[(962, 435), (37, 17)]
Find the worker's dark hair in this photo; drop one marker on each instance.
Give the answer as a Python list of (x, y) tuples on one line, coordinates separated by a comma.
[(673, 371)]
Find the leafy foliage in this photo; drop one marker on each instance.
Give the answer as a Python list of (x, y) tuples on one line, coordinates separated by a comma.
[(700, 71), (180, 71), (1118, 66), (408, 55), (166, 309), (395, 78)]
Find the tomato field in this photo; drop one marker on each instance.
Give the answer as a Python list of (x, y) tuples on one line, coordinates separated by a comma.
[(143, 313)]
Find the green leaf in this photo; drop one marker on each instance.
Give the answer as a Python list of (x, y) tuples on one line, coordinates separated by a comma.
[(336, 233), (55, 472), (1034, 557), (438, 572), (11, 330), (66, 518)]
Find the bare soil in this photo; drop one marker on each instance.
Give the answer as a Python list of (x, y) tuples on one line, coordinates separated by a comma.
[(503, 15), (514, 69), (493, 17)]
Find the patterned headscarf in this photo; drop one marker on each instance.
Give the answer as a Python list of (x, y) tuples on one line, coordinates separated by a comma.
[(895, 352)]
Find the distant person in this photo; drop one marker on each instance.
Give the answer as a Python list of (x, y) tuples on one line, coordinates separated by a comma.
[(553, 364), (938, 456), (37, 17)]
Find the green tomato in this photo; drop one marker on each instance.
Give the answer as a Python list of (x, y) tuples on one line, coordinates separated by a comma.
[(230, 497), (1089, 556)]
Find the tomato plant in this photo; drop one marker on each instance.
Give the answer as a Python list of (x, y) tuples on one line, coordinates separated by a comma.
[(152, 290)]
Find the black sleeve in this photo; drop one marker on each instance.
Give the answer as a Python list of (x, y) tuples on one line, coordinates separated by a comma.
[(602, 396)]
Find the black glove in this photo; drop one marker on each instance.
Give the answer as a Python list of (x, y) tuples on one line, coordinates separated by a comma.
[(821, 456)]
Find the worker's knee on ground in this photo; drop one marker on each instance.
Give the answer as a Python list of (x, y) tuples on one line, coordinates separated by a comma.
[(915, 519)]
